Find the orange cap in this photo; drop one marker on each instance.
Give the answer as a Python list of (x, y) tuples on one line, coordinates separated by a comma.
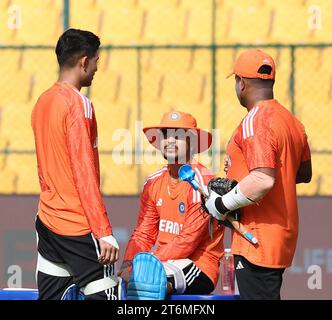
[(249, 62), (179, 120)]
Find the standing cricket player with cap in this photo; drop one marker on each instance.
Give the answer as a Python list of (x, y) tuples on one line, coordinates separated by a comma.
[(268, 154)]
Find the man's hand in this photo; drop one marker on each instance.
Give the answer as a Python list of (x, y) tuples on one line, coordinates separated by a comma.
[(125, 274), (216, 189), (210, 205), (109, 250)]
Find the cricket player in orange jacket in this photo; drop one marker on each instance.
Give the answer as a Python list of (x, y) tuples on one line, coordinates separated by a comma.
[(268, 155), (76, 248), (170, 215)]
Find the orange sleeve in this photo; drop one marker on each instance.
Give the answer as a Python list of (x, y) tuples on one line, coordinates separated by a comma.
[(259, 149), (194, 230), (147, 228), (84, 173)]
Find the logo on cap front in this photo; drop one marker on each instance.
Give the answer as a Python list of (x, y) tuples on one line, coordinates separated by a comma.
[(175, 116)]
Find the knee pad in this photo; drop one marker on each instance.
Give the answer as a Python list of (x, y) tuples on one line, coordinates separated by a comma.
[(148, 278)]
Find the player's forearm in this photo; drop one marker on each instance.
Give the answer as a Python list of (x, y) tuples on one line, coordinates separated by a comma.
[(184, 244), (144, 235), (256, 185), (136, 245), (175, 250), (251, 189)]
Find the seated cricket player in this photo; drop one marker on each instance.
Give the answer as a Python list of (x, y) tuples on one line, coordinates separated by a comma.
[(171, 219)]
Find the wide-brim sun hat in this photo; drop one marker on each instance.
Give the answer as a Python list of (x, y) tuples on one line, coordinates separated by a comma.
[(179, 120)]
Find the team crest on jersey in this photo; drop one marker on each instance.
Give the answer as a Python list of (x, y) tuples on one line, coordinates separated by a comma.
[(182, 208)]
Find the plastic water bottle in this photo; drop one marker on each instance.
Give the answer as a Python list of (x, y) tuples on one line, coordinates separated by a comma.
[(227, 273)]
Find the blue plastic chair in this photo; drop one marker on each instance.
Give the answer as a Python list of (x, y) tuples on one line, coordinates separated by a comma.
[(32, 294), (18, 294), (205, 297)]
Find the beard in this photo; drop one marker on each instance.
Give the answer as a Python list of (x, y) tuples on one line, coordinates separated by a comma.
[(87, 82), (171, 159)]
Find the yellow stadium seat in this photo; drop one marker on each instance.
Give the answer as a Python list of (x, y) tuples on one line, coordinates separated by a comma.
[(86, 15), (242, 22), (200, 61), (171, 60), (260, 21), (229, 111), (33, 22), (284, 22), (172, 79), (116, 79), (11, 68), (16, 126), (169, 29), (224, 18), (313, 98), (114, 95), (120, 22), (127, 90), (283, 73), (8, 181), (152, 85), (250, 24), (318, 126), (43, 69), (185, 89), (112, 174), (25, 168), (4, 149), (321, 179), (39, 60), (198, 21), (152, 112), (116, 127)]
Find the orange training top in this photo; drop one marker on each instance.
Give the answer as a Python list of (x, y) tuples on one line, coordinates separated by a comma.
[(170, 216), (65, 129), (272, 137)]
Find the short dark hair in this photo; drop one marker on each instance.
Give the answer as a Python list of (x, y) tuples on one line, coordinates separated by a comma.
[(74, 44)]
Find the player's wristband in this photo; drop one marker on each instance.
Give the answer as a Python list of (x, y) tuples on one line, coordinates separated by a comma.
[(220, 206), (111, 240), (233, 200)]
